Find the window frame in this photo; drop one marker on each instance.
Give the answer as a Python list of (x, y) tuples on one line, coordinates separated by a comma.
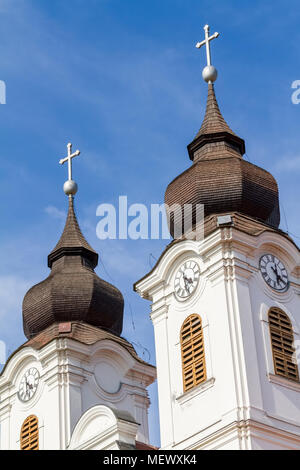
[(29, 434), (193, 358), (282, 341)]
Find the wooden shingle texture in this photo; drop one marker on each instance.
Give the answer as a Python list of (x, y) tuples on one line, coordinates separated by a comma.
[(72, 291), (220, 178)]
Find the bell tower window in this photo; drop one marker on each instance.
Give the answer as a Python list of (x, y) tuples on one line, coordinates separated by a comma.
[(192, 352), (282, 340), (30, 434)]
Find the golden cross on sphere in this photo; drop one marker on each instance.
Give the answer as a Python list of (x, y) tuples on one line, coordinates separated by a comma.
[(209, 72), (70, 187)]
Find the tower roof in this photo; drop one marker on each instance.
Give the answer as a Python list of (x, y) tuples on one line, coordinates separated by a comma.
[(213, 121), (72, 241), (214, 128), (219, 178), (72, 292)]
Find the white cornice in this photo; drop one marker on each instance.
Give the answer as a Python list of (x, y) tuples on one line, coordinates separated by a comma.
[(215, 247), (62, 360)]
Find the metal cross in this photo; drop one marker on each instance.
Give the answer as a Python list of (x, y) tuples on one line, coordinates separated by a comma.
[(206, 42), (69, 160)]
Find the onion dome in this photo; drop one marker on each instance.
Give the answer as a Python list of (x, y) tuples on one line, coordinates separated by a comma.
[(220, 178), (72, 292)]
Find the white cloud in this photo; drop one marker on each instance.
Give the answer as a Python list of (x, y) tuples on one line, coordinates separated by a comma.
[(12, 291), (55, 213), (289, 164)]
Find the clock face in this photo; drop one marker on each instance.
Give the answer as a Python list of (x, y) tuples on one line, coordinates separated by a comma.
[(274, 273), (186, 279), (29, 384)]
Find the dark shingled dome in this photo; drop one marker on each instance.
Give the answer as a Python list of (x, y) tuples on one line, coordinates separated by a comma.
[(219, 177), (72, 291)]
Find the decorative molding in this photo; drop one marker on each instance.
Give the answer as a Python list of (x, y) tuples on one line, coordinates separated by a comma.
[(100, 426), (5, 411), (159, 313), (195, 391), (240, 432), (276, 379), (106, 396)]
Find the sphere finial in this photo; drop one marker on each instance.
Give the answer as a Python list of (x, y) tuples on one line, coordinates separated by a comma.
[(209, 74), (70, 188)]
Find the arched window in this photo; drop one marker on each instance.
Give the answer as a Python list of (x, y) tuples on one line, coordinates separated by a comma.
[(30, 434), (282, 340), (192, 351)]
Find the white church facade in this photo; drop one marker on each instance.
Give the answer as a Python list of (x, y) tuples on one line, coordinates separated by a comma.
[(225, 310), (227, 374), (85, 394)]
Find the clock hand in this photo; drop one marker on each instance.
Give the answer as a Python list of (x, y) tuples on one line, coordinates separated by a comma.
[(278, 277), (274, 269), (186, 283)]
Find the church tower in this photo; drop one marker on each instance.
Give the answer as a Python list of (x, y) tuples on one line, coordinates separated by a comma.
[(226, 308), (76, 383)]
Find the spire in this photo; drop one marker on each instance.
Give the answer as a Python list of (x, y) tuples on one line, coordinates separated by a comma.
[(213, 120), (72, 242), (220, 179), (215, 129)]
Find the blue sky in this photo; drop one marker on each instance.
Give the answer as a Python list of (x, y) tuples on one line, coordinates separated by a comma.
[(121, 79)]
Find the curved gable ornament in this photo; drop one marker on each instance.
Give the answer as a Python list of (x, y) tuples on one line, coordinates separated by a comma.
[(101, 427), (22, 357), (164, 267), (284, 246), (94, 422)]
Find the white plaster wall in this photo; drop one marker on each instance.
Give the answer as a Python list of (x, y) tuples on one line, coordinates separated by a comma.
[(205, 408), (278, 400), (44, 405), (184, 415)]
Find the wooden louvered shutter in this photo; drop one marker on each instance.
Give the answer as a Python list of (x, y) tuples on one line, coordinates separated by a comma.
[(282, 340), (192, 350), (30, 434)]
